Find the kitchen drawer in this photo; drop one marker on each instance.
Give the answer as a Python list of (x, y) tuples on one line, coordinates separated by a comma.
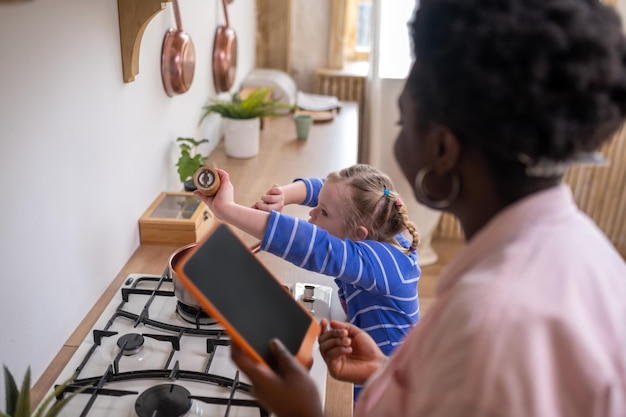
[(175, 218)]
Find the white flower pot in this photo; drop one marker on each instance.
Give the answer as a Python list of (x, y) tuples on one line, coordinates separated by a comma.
[(242, 137)]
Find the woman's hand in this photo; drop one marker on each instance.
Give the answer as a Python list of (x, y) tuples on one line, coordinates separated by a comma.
[(289, 393), (350, 353), (273, 199)]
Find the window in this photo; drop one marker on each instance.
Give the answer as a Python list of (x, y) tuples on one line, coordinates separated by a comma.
[(363, 30), (394, 46), (355, 24), (357, 28)]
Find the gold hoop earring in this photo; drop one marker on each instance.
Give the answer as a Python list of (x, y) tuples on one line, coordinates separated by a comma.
[(420, 190)]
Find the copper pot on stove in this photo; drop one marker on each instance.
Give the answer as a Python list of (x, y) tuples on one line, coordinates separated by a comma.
[(180, 291)]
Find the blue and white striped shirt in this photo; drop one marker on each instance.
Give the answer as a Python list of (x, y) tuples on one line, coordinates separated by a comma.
[(377, 281)]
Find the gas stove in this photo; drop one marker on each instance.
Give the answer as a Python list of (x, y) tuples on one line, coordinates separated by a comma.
[(149, 355)]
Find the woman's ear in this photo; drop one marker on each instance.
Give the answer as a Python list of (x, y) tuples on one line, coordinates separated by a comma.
[(448, 148)]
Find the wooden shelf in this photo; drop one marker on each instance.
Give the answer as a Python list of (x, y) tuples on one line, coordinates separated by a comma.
[(134, 16)]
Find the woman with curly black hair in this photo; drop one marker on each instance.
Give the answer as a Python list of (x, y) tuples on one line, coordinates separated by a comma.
[(530, 318)]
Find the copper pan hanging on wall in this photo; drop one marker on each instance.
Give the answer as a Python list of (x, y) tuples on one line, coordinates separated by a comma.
[(178, 58), (224, 55)]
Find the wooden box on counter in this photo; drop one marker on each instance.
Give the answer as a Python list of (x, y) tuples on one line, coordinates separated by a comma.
[(174, 218)]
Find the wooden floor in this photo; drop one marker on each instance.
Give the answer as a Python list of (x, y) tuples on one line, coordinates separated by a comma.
[(446, 249)]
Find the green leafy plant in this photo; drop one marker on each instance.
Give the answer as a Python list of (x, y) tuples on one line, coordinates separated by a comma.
[(18, 400), (257, 104), (190, 160)]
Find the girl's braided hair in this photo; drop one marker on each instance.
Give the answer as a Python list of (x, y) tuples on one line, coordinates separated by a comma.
[(373, 203)]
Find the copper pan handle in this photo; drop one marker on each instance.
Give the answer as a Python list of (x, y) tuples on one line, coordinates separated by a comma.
[(179, 23), (225, 13)]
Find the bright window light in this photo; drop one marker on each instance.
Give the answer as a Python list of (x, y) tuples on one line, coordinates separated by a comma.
[(395, 48), (363, 33)]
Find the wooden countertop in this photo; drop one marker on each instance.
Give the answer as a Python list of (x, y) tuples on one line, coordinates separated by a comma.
[(329, 147)]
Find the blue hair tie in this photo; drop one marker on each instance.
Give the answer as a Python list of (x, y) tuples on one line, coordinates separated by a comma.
[(386, 192)]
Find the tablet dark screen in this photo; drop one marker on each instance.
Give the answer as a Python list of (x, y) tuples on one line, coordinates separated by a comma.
[(239, 286)]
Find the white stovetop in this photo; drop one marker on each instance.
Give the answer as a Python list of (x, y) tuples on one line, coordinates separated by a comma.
[(192, 356)]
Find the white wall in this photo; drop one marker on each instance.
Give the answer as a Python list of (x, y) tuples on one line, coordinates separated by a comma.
[(83, 154)]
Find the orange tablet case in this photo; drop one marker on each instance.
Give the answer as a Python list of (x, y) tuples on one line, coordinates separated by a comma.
[(236, 289)]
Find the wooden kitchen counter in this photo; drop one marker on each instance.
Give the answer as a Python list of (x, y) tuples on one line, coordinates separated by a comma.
[(282, 157)]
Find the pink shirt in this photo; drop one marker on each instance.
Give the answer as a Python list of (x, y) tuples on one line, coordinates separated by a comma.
[(530, 320)]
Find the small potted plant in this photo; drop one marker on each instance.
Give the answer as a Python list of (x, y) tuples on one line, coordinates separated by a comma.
[(17, 401), (189, 161), (242, 119)]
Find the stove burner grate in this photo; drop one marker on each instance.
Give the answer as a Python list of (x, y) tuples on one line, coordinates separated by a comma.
[(130, 343), (194, 315), (166, 400), (171, 399)]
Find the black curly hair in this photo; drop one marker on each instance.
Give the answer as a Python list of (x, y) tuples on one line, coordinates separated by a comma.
[(539, 78)]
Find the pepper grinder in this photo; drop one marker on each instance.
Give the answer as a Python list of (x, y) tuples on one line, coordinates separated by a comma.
[(207, 181), (308, 296)]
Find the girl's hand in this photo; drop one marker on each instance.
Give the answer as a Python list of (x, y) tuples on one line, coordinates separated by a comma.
[(273, 199), (291, 392), (224, 207), (224, 197), (350, 353)]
